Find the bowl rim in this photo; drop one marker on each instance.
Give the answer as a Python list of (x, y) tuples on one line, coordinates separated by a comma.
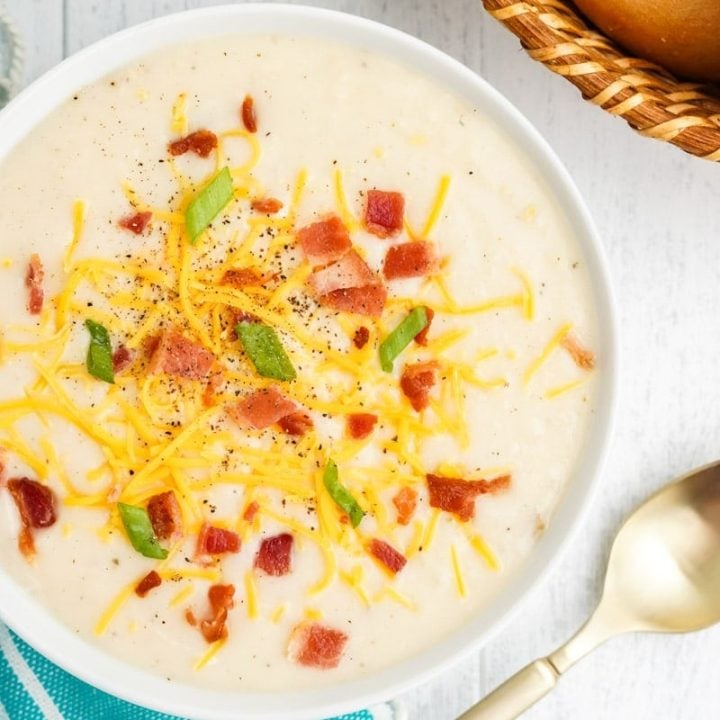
[(81, 658)]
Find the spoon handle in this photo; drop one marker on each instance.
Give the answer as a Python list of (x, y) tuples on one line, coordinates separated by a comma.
[(537, 679), (516, 694)]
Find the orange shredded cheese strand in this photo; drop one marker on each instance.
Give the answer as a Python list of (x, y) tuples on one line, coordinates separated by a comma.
[(78, 222), (457, 570), (209, 654), (541, 359), (437, 206)]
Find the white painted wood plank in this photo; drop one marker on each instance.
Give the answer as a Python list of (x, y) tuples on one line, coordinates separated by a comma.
[(41, 24), (654, 208)]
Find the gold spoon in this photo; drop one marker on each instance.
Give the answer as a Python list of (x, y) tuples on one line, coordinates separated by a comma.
[(663, 576)]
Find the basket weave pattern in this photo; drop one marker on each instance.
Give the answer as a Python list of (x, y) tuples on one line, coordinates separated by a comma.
[(645, 95)]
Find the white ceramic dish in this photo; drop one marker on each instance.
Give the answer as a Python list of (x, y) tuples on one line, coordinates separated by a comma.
[(43, 632)]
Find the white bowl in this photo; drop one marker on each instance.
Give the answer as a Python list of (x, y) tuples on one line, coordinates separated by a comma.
[(34, 624)]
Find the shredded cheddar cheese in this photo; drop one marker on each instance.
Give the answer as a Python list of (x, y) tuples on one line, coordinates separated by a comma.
[(251, 595), (157, 434), (558, 390), (278, 613), (346, 215), (552, 344), (482, 548), (313, 614), (78, 218), (182, 596), (457, 570), (209, 654), (437, 206), (112, 610), (179, 122)]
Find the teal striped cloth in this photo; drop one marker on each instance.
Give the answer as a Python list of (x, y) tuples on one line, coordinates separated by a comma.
[(32, 688)]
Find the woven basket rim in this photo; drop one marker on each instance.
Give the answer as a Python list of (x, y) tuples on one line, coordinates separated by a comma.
[(649, 98)]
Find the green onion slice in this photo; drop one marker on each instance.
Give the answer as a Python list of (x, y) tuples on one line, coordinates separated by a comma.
[(99, 355), (401, 337), (265, 350), (140, 531), (339, 493), (208, 204)]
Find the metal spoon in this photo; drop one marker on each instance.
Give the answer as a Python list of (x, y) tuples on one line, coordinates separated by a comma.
[(663, 576)]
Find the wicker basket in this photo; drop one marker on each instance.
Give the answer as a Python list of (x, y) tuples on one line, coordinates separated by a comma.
[(646, 96)]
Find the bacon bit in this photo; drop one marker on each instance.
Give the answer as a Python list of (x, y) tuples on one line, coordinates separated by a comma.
[(148, 583), (262, 408), (275, 555), (393, 560), (416, 382), (405, 502), (221, 600), (177, 355), (409, 260), (215, 629), (122, 359), (422, 337), (165, 515), (249, 117), (242, 316), (368, 300), (26, 542), (2, 466), (200, 142), (457, 496), (232, 316), (325, 241), (36, 504), (251, 511), (360, 425), (135, 223), (296, 423), (221, 597), (215, 380), (190, 617), (316, 645), (350, 271), (35, 501), (245, 277), (150, 345), (216, 541), (33, 282), (361, 337), (268, 205), (349, 285), (384, 212), (583, 358)]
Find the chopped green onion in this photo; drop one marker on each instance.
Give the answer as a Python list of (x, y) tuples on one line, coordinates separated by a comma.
[(401, 337), (264, 349), (99, 355), (208, 204), (339, 493), (140, 531)]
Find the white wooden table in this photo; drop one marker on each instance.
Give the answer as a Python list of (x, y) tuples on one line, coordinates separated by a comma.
[(658, 212)]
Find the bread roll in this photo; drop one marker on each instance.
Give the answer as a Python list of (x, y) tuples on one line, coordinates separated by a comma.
[(681, 35)]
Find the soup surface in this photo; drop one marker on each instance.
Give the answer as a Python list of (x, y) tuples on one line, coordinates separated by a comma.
[(297, 346)]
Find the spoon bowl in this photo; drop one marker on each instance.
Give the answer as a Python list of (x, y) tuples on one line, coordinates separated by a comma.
[(663, 576), (664, 568)]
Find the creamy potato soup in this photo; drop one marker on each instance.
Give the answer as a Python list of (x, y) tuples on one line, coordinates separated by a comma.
[(297, 357)]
